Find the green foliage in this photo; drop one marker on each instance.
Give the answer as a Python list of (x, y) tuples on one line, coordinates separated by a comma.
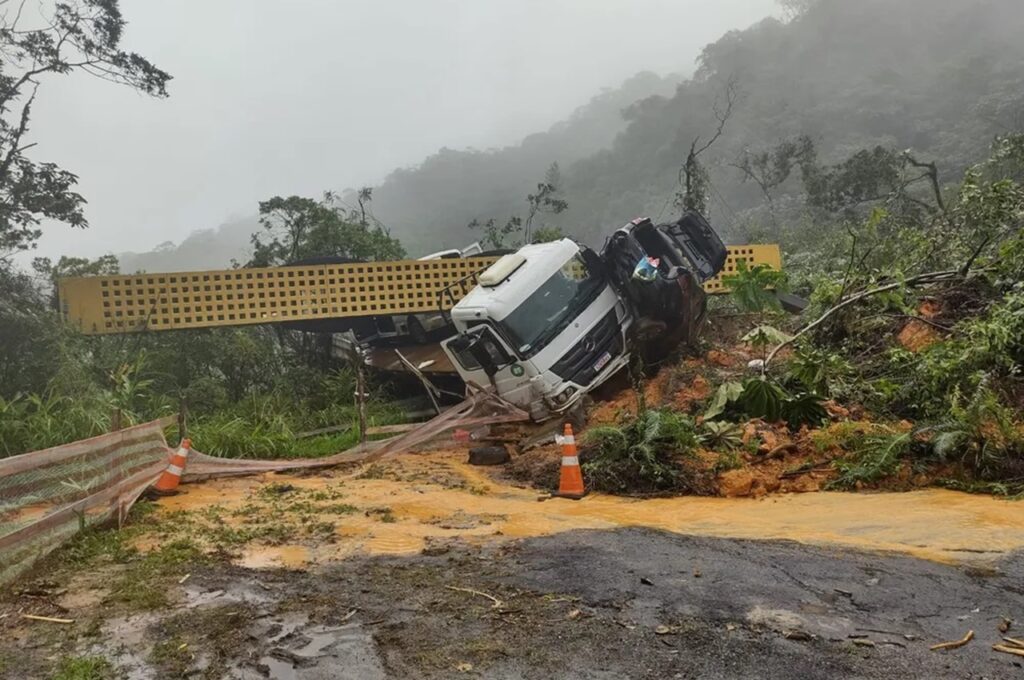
[(803, 409), (763, 398), (546, 201), (716, 435), (872, 458), (297, 229), (752, 289), (726, 394), (33, 422), (84, 668), (76, 36), (982, 433), (642, 456), (817, 369)]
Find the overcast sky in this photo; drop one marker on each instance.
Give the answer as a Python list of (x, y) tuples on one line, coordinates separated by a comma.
[(294, 97)]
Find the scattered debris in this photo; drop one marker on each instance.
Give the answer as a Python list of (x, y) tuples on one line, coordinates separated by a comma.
[(955, 643), (497, 603), (48, 619), (1005, 625), (489, 455)]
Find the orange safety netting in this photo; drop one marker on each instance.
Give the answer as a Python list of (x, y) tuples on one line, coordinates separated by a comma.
[(47, 496)]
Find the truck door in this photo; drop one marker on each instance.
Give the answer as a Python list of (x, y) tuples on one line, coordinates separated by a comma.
[(482, 357)]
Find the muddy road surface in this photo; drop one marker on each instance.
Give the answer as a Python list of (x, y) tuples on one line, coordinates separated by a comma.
[(625, 603), (427, 568)]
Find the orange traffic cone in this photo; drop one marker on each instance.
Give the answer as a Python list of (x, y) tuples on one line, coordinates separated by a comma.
[(168, 482), (570, 483)]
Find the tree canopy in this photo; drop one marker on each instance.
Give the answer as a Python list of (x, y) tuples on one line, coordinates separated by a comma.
[(37, 42)]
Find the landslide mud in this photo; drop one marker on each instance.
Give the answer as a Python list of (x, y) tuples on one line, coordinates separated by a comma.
[(420, 502)]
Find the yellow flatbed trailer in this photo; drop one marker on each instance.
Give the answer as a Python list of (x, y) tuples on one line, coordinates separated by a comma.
[(131, 303)]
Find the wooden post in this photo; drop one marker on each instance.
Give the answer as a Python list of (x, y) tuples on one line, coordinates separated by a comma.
[(355, 358), (183, 418), (115, 420), (361, 400)]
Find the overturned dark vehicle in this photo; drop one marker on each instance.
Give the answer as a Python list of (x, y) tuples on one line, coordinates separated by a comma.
[(660, 270)]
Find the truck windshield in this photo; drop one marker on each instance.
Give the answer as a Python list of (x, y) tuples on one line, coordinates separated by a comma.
[(559, 300)]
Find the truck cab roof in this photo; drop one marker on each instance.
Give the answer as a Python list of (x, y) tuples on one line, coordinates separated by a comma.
[(541, 261)]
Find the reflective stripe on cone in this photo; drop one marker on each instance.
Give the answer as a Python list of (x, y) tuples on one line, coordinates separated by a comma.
[(171, 477), (570, 481)]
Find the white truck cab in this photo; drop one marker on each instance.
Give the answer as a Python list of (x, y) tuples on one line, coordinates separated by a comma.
[(543, 326), (552, 321)]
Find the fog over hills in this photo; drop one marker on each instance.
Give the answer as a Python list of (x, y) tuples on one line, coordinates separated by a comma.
[(939, 78)]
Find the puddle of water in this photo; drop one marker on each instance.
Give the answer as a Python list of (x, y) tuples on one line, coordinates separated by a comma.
[(268, 556), (935, 524)]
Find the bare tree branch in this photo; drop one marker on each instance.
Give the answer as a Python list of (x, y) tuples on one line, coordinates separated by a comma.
[(932, 173)]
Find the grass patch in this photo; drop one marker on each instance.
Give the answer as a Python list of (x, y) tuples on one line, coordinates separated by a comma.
[(214, 634), (145, 582), (730, 460), (384, 514), (1011, 491), (83, 668)]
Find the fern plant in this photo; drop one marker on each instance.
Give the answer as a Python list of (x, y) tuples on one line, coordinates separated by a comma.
[(642, 455)]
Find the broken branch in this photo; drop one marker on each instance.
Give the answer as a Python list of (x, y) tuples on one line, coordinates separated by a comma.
[(497, 603), (955, 643), (919, 280), (48, 619)]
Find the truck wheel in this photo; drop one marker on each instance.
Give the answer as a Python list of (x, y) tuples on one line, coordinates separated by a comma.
[(489, 455), (416, 330)]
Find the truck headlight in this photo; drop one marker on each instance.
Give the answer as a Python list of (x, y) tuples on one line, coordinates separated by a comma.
[(564, 395)]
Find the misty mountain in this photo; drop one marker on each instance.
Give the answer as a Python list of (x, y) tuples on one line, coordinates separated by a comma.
[(941, 78), (202, 249), (433, 202)]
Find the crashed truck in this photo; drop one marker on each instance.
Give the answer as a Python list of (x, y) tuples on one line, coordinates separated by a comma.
[(551, 322)]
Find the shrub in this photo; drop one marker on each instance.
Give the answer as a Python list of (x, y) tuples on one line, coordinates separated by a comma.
[(642, 456)]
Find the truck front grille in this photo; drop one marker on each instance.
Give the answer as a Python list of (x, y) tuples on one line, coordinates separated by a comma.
[(578, 364)]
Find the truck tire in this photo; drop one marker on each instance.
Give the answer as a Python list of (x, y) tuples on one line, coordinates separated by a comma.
[(489, 455)]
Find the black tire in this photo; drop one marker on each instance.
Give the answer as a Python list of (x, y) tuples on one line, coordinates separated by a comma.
[(416, 330), (489, 455)]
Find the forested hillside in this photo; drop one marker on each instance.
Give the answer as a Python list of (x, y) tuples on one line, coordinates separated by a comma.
[(940, 79)]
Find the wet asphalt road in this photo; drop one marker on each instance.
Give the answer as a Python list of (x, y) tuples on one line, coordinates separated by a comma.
[(768, 609)]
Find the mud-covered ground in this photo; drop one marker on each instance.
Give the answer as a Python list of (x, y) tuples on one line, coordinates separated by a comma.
[(626, 603), (426, 567)]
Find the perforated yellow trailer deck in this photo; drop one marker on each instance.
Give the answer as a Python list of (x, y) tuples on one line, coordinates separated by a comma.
[(237, 297)]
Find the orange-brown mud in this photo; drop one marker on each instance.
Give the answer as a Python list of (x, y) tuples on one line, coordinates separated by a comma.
[(420, 502)]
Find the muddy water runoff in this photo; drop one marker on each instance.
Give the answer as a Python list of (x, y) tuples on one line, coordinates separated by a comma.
[(415, 501)]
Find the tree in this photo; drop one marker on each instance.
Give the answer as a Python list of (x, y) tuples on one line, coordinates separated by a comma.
[(105, 265), (693, 177), (67, 37), (298, 228), (770, 168), (547, 200), (793, 9)]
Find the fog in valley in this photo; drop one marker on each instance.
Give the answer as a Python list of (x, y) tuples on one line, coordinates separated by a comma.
[(276, 98)]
